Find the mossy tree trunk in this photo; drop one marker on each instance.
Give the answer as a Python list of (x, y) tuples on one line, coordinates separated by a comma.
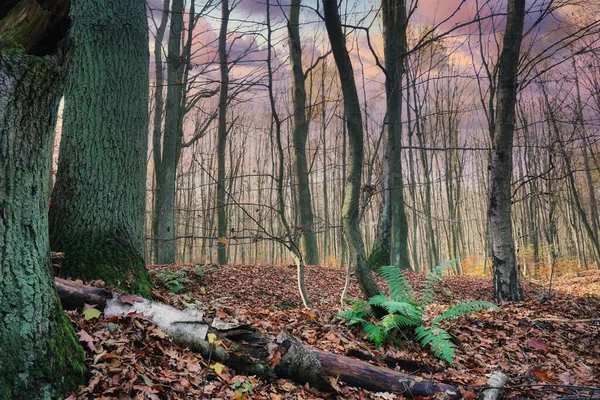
[(352, 113), (97, 209), (308, 240), (40, 357)]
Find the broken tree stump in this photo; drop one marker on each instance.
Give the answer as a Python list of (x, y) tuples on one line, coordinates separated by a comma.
[(247, 350)]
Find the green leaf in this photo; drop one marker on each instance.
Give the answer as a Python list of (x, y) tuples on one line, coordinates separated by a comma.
[(466, 309), (375, 333), (439, 340), (91, 313), (392, 321), (112, 327), (400, 287), (404, 308)]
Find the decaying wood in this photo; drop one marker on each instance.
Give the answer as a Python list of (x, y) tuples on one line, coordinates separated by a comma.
[(495, 384), (73, 295), (247, 350)]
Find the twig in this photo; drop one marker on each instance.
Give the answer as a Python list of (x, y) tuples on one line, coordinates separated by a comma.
[(567, 320)]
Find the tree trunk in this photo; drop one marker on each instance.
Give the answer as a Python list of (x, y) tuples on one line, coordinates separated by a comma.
[(222, 136), (40, 357), (394, 36), (350, 209), (276, 126), (168, 153), (308, 241), (380, 255), (258, 354), (157, 130), (506, 283), (97, 209)]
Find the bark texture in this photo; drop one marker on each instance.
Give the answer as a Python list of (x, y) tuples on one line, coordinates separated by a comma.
[(350, 209), (394, 37), (506, 283), (222, 135), (308, 240), (166, 155), (97, 209), (40, 357)]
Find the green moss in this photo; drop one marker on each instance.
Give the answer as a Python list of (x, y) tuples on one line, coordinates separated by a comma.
[(50, 368), (111, 260), (378, 258), (66, 365)]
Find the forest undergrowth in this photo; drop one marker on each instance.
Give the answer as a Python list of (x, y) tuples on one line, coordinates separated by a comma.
[(547, 345)]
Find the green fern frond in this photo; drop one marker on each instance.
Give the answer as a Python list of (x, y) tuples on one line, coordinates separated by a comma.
[(392, 321), (378, 300), (428, 295), (375, 333), (439, 340), (357, 314), (404, 308), (466, 309), (400, 287)]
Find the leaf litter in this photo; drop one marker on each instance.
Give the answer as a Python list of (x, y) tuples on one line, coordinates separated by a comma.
[(547, 345)]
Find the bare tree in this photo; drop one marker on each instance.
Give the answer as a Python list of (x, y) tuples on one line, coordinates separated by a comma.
[(506, 280)]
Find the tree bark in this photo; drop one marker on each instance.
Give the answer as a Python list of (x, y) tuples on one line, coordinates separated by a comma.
[(222, 135), (506, 283), (97, 209), (394, 36), (40, 357), (166, 154), (308, 241), (257, 354), (352, 113)]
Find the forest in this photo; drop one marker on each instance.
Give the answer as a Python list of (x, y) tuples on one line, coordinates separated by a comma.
[(299, 199)]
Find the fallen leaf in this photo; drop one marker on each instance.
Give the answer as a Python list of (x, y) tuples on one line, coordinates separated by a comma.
[(534, 344), (87, 339), (91, 313), (130, 299), (218, 367)]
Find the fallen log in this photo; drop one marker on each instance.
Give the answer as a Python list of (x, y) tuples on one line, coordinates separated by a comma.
[(74, 295), (247, 350)]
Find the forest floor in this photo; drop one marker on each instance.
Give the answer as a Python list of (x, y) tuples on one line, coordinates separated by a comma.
[(130, 358)]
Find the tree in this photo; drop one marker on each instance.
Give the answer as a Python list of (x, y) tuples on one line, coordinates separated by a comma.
[(506, 283), (222, 135), (97, 208), (352, 113), (41, 357), (275, 127), (168, 143), (308, 241), (394, 35)]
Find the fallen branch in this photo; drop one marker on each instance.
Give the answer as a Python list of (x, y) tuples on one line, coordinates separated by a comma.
[(247, 350), (564, 320), (494, 386)]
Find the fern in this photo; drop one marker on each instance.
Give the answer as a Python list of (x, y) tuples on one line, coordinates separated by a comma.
[(400, 287), (439, 340), (465, 309), (405, 311), (357, 314), (392, 321), (428, 295), (403, 308), (375, 333), (378, 300)]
